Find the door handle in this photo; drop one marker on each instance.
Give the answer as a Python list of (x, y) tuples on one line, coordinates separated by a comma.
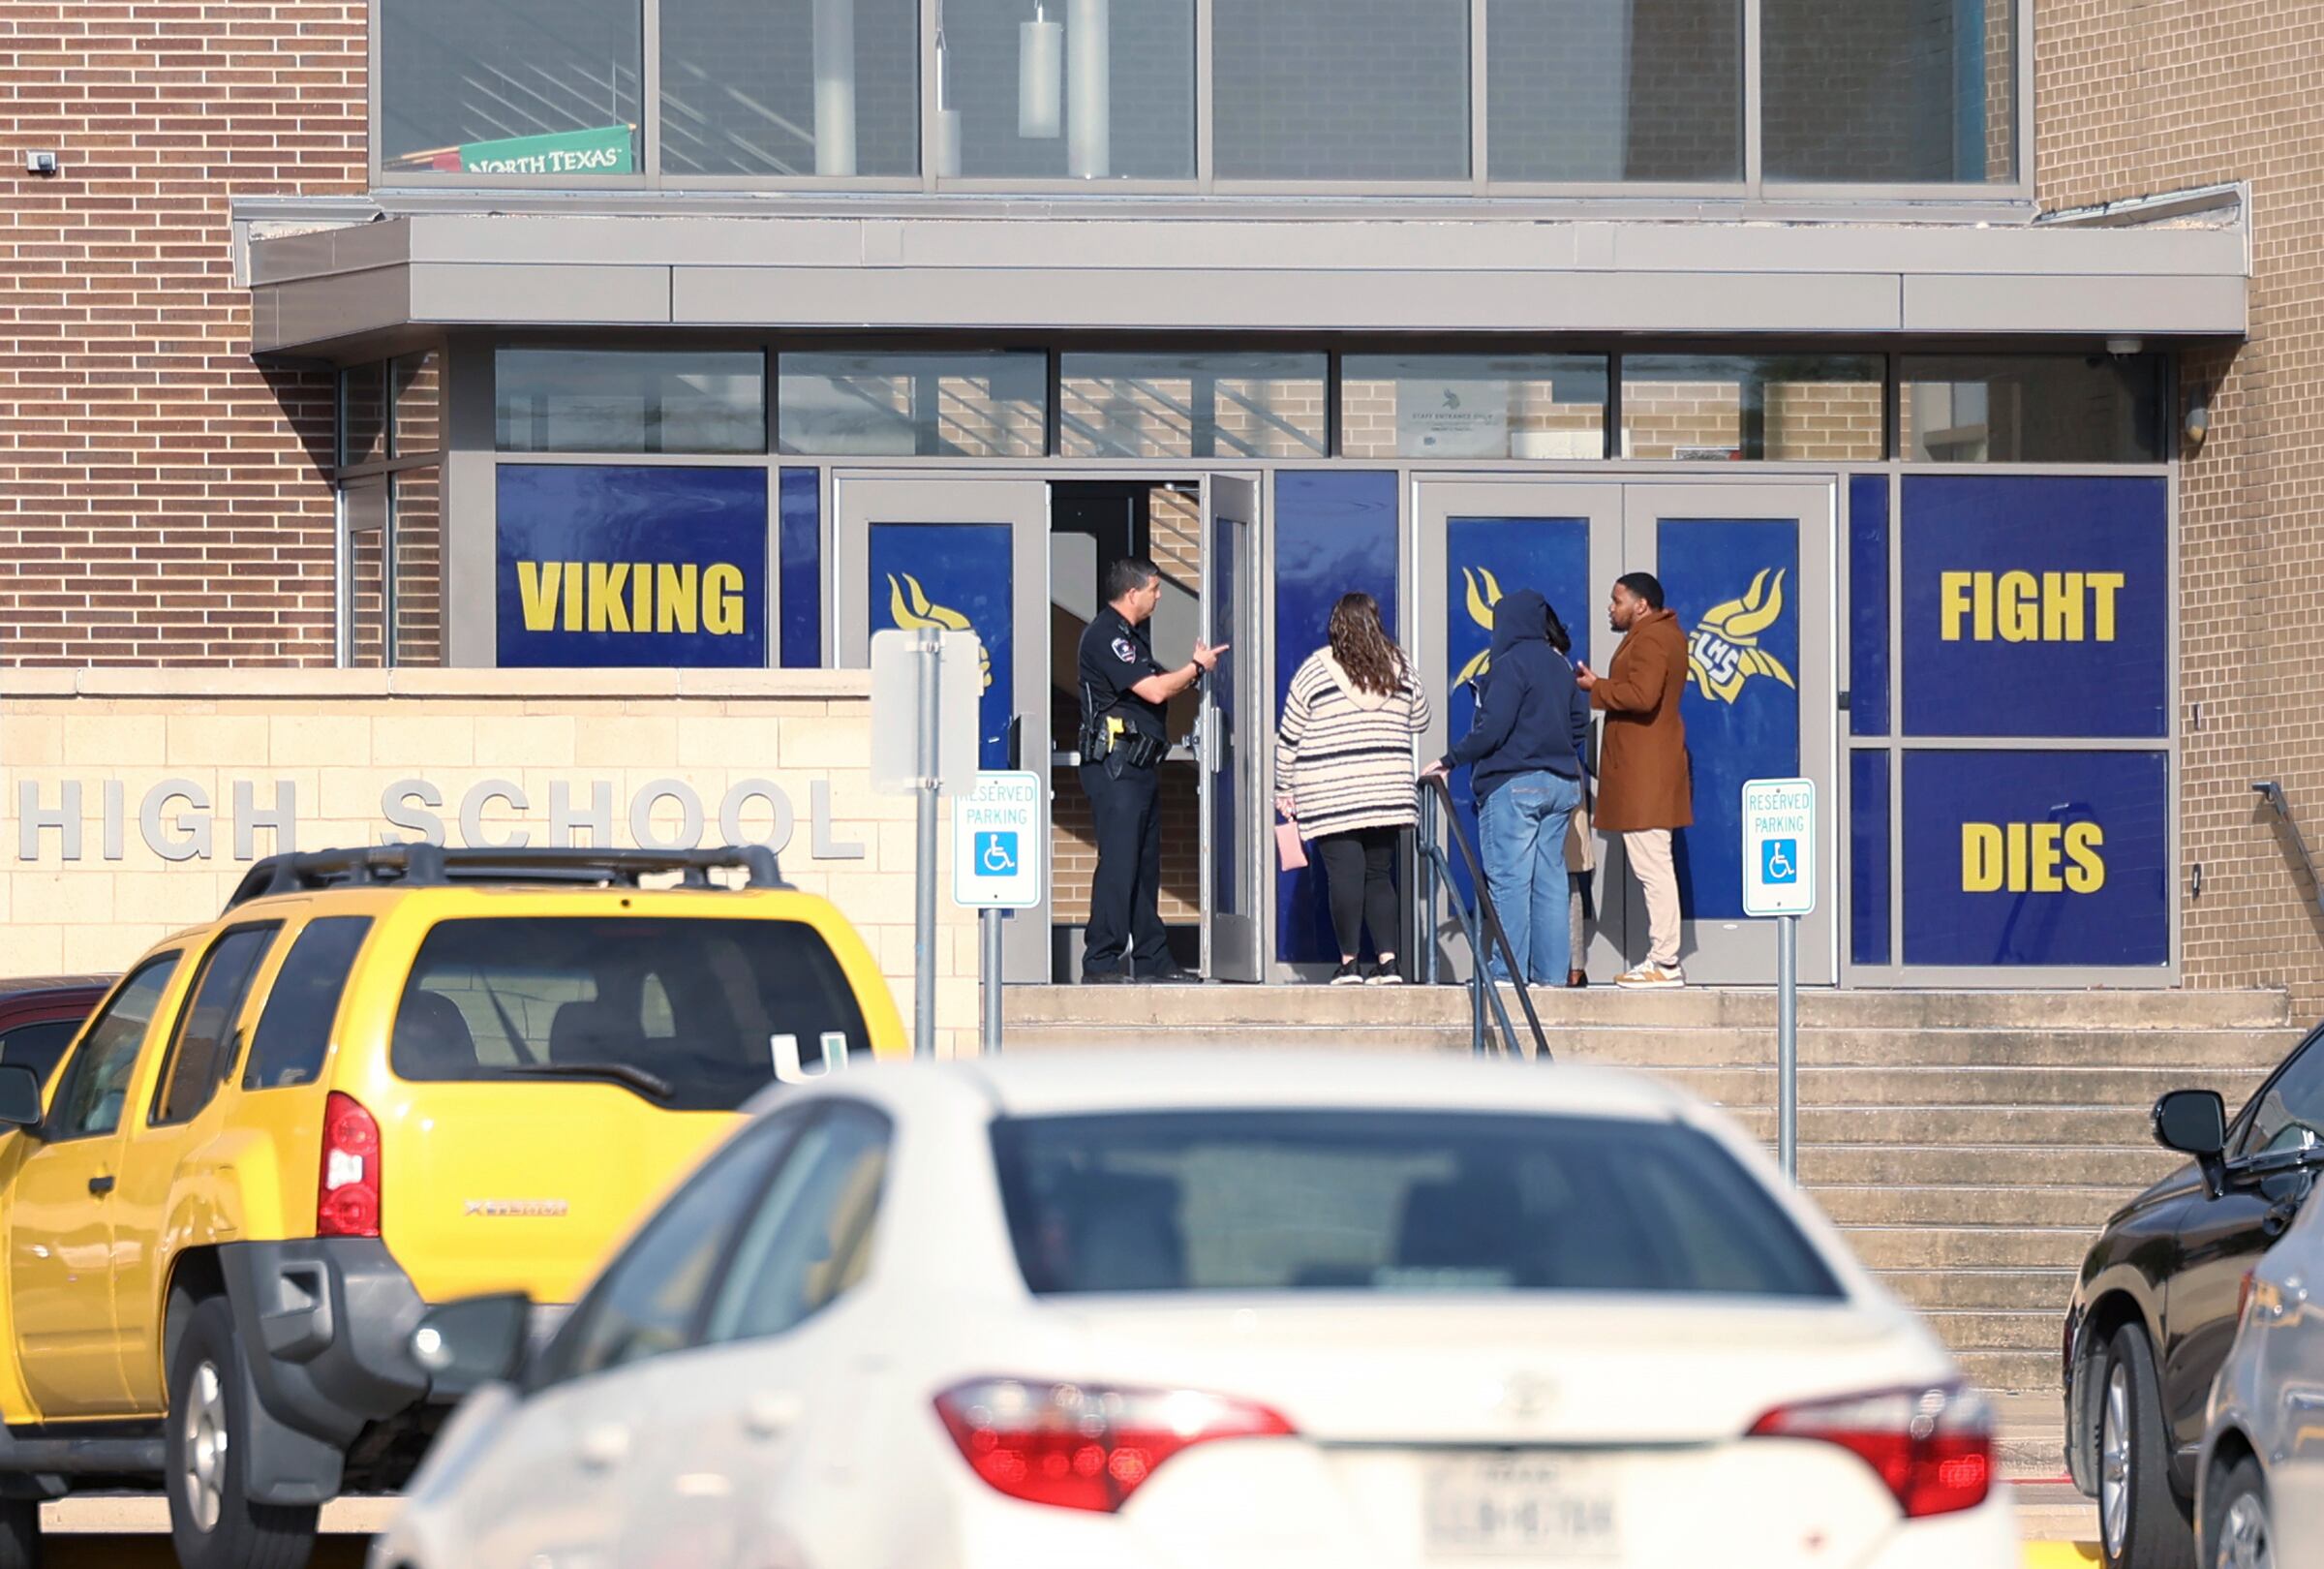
[(100, 1185), (604, 1446), (772, 1413)]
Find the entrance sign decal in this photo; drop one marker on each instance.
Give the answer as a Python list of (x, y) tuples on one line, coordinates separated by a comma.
[(996, 861)]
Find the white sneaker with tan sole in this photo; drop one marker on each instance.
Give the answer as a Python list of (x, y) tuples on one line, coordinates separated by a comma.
[(1651, 976)]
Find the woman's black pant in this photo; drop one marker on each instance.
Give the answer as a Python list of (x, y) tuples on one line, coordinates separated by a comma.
[(1359, 881)]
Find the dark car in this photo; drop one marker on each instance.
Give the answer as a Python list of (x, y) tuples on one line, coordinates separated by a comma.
[(2160, 1299), (39, 1015)]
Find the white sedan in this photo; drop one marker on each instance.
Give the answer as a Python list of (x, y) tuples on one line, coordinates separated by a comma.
[(1164, 1311)]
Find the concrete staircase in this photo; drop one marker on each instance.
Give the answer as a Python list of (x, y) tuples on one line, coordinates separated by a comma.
[(1970, 1143)]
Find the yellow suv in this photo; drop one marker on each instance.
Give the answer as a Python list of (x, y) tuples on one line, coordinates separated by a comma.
[(382, 1078)]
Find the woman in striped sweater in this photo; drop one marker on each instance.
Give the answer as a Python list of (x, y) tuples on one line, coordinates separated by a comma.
[(1344, 772)]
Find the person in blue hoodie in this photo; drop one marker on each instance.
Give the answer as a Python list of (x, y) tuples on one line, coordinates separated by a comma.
[(1524, 754)]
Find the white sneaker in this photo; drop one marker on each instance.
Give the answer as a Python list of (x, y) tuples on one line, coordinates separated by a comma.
[(1651, 976)]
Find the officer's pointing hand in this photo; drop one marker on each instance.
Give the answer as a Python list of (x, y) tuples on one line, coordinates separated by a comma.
[(1207, 656)]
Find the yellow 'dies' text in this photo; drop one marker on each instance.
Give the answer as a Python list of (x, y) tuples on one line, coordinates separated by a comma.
[(631, 597), (2032, 857), (2023, 607)]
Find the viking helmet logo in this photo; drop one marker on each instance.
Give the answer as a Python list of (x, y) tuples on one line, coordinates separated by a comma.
[(909, 608), (1484, 592), (1724, 652)]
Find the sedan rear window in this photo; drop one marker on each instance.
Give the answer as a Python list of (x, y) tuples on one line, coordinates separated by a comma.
[(1251, 1201), (692, 1014)]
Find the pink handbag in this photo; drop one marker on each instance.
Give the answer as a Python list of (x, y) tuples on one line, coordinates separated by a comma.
[(1290, 853)]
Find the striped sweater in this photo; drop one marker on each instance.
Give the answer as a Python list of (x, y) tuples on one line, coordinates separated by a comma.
[(1345, 757)]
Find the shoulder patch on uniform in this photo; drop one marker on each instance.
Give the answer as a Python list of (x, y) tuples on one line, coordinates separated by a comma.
[(1125, 650)]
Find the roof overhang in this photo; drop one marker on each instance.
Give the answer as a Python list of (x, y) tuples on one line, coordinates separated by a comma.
[(1286, 273)]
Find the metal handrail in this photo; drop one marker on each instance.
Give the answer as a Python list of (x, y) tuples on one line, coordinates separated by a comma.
[(1434, 790), (2271, 792)]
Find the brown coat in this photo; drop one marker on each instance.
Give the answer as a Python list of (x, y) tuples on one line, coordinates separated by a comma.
[(1643, 781)]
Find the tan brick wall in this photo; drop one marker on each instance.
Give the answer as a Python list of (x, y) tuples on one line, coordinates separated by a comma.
[(340, 737), (2160, 96), (159, 496)]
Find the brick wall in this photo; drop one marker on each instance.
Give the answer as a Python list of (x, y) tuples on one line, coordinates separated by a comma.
[(159, 496), (2160, 96)]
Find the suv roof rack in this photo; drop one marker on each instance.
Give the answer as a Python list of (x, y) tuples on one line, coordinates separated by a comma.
[(432, 865)]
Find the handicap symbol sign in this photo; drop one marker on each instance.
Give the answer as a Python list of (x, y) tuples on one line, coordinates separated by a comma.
[(1779, 860), (996, 855)]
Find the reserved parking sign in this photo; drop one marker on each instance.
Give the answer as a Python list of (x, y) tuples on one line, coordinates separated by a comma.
[(996, 842), (1779, 847)]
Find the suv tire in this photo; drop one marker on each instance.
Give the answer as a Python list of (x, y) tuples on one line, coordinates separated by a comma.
[(213, 1524), (2237, 1527), (2141, 1523)]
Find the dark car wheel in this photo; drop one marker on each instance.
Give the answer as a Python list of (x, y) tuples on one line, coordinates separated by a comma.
[(213, 1522), (2141, 1523), (2237, 1533)]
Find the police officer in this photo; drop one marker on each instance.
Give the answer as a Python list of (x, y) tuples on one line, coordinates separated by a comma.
[(1123, 742)]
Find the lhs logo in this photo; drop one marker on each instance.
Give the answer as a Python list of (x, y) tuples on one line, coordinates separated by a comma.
[(917, 612), (1724, 652)]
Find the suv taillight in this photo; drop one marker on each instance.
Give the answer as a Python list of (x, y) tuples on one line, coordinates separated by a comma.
[(1932, 1447), (1086, 1446), (347, 1192)]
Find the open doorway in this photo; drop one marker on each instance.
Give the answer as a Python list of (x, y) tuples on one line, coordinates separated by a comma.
[(1092, 522)]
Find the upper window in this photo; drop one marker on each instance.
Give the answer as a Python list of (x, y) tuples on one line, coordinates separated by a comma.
[(96, 1085), (548, 90), (1900, 92), (1166, 406), (1053, 90), (294, 1032), (629, 400), (2092, 408), (1457, 406), (788, 89), (207, 1042), (1724, 408), (967, 404), (1614, 92), (1340, 89)]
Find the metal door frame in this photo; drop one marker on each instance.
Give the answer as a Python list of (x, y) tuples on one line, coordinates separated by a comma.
[(1236, 947)]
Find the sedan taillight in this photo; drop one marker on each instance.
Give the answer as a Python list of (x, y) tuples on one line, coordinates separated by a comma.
[(1086, 1446), (1932, 1447)]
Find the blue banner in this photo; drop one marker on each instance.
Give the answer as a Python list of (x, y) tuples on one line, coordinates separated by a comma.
[(799, 540), (609, 565), (2035, 606), (961, 577), (1736, 585), (1485, 559), (2036, 858)]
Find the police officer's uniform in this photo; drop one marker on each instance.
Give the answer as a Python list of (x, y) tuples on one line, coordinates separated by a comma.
[(1123, 742)]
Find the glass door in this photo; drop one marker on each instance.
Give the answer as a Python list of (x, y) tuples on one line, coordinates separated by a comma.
[(965, 553), (1233, 737)]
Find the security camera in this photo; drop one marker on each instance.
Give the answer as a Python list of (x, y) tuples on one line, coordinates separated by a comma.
[(2198, 419), (39, 163), (2125, 347)]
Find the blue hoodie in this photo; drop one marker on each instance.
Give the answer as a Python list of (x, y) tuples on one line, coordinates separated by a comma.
[(1530, 717)]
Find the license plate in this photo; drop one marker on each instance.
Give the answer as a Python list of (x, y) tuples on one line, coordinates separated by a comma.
[(1555, 1509)]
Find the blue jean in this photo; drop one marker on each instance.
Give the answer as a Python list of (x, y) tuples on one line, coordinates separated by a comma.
[(1522, 829)]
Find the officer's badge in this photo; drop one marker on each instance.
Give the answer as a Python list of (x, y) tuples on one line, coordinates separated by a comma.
[(1724, 652), (1125, 651)]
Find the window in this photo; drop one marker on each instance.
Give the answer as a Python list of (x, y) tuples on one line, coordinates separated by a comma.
[(691, 1013), (629, 400), (364, 574), (2289, 1113), (1548, 405), (2032, 408), (1897, 93), (544, 88), (810, 1239), (1401, 1202), (294, 1032), (38, 1047), (207, 1042), (1070, 89), (949, 405), (1164, 406), (415, 543), (790, 89), (1600, 91), (96, 1084), (1817, 408), (1340, 89), (649, 1301)]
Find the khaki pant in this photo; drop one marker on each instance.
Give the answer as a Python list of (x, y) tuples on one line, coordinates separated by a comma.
[(1648, 850)]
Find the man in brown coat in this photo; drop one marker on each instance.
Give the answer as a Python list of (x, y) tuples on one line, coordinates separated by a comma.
[(1645, 789)]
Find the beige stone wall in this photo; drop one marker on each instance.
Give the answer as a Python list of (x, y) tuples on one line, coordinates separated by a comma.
[(339, 738), (2135, 99)]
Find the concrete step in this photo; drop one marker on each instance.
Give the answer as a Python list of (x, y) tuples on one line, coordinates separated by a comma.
[(2123, 1172), (1983, 1290), (1970, 1247), (1969, 1333), (1690, 1007), (2019, 1371), (1907, 1087), (2034, 1205), (2061, 1128)]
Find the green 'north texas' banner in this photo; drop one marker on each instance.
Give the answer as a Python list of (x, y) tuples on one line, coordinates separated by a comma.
[(606, 150)]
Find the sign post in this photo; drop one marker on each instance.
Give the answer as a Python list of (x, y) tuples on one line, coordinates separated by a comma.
[(925, 686), (996, 856), (1779, 880)]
